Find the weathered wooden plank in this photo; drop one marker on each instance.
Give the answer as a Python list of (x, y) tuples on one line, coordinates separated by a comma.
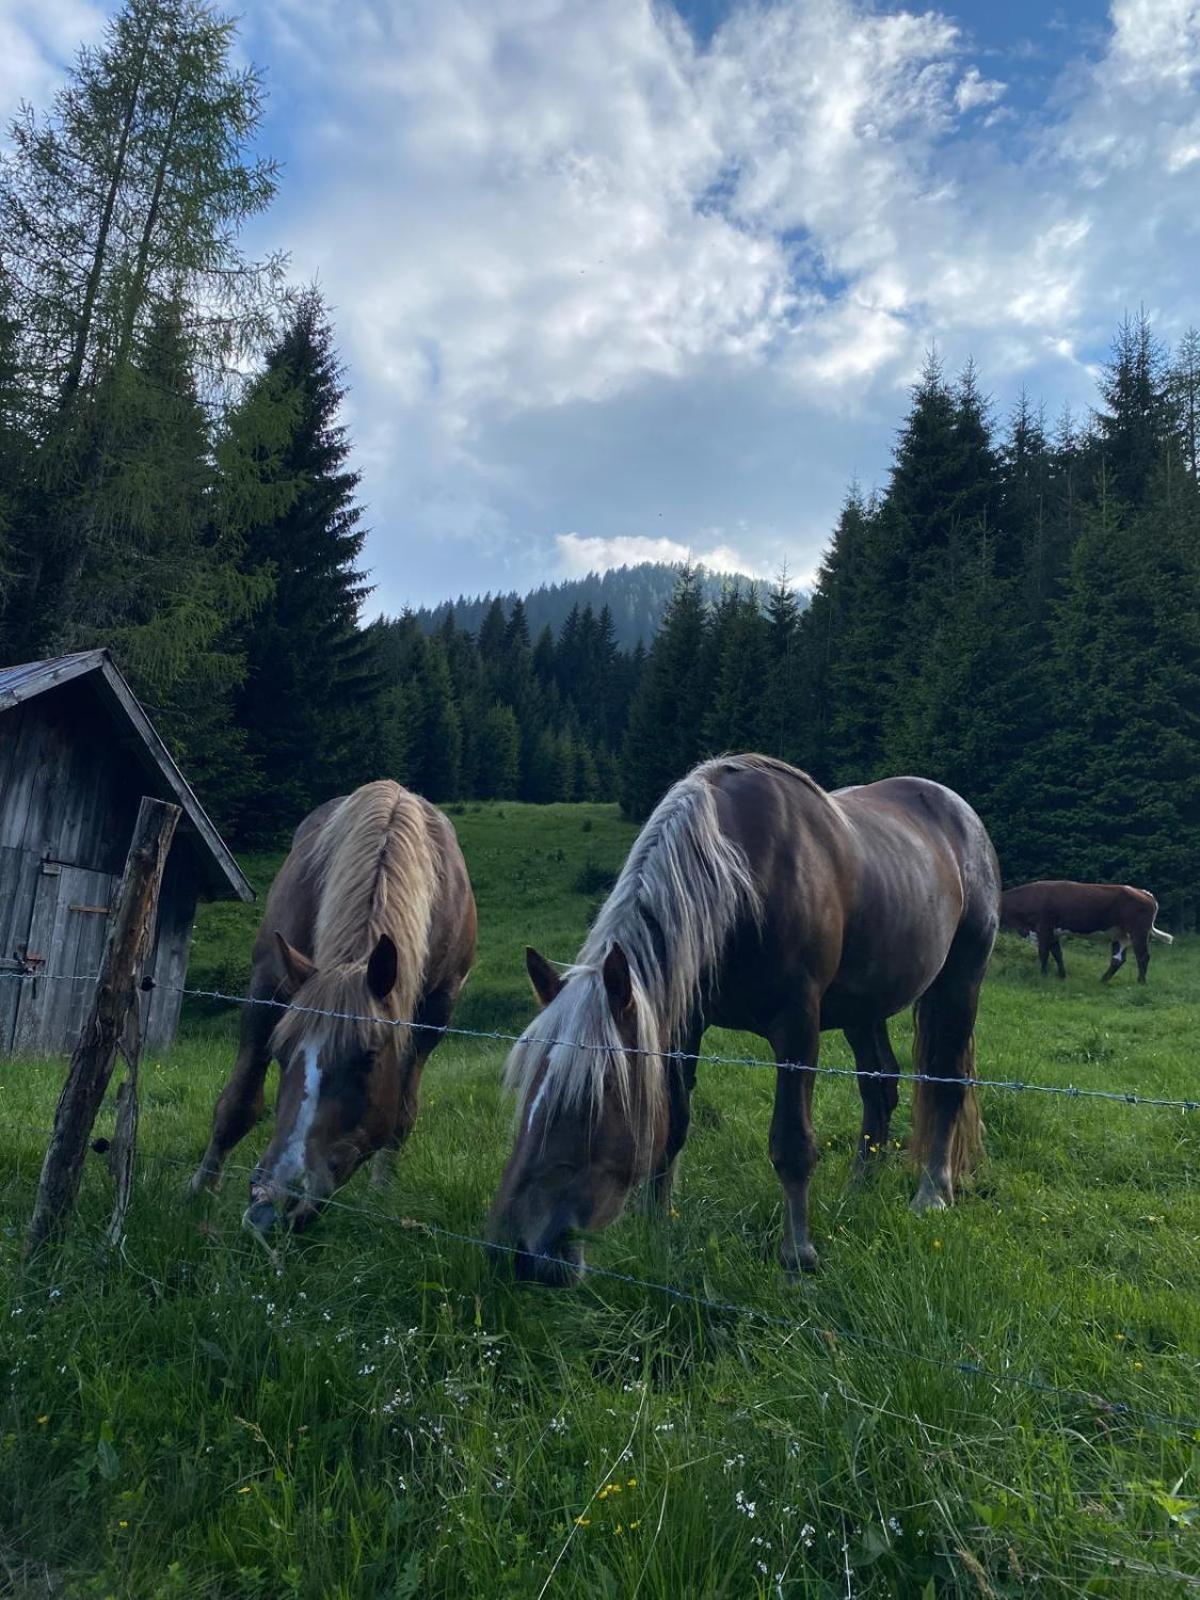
[(19, 873), (176, 914), (92, 1062)]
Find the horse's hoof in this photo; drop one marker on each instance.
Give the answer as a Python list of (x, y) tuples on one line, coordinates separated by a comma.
[(201, 1182), (800, 1260), (929, 1198)]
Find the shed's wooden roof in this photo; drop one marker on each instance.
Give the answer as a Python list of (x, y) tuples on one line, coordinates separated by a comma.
[(223, 876)]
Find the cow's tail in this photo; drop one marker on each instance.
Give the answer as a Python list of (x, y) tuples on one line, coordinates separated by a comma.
[(1157, 933)]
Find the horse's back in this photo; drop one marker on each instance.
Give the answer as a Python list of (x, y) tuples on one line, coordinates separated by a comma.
[(866, 890), (294, 899)]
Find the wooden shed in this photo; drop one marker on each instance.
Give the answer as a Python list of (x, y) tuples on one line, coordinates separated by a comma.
[(77, 753)]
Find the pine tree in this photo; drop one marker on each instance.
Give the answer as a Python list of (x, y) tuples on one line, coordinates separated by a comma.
[(666, 719), (848, 644), (782, 715), (493, 632), (1135, 421), (500, 753), (1183, 388), (308, 665), (736, 717)]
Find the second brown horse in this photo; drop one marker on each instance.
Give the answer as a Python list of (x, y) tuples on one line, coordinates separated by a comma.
[(369, 933), (754, 900)]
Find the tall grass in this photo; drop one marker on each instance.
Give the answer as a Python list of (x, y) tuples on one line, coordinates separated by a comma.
[(379, 1413)]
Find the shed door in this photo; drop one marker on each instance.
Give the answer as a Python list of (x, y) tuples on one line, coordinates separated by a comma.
[(69, 926), (19, 874)]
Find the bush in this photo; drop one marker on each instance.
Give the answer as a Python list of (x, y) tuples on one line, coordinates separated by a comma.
[(592, 878)]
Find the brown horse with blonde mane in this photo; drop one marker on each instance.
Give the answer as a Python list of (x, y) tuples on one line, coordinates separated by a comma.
[(754, 900), (369, 926)]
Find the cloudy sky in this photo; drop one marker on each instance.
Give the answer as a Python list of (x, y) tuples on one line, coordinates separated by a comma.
[(617, 279)]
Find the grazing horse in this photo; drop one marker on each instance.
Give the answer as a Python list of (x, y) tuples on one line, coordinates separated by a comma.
[(1044, 910), (754, 900), (371, 918)]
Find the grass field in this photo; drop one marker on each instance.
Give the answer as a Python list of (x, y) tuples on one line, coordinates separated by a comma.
[(381, 1415)]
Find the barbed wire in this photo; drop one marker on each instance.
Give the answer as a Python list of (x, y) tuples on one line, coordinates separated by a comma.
[(826, 1337), (1069, 1091), (495, 1036)]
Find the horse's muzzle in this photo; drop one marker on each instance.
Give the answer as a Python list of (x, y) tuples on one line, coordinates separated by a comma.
[(262, 1217), (557, 1266)]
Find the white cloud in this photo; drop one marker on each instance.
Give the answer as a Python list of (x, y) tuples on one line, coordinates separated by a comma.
[(38, 39), (975, 90), (578, 555)]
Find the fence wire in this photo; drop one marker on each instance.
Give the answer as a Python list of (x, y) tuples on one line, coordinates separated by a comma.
[(1017, 1085)]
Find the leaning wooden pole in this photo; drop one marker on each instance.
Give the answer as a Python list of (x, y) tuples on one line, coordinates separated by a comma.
[(116, 995)]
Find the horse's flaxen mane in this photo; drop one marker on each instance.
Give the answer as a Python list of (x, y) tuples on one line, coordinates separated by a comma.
[(681, 892), (375, 863)]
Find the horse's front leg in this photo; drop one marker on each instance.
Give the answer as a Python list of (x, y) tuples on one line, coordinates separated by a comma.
[(681, 1080), (793, 1147), (240, 1103)]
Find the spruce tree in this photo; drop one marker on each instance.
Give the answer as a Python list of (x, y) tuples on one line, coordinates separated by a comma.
[(499, 754), (782, 715), (737, 715), (308, 664), (665, 734)]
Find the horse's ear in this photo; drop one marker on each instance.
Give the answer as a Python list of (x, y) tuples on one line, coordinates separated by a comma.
[(618, 984), (297, 969), (547, 984), (383, 968)]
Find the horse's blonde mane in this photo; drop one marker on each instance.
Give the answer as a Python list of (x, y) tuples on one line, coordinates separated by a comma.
[(375, 864), (684, 887)]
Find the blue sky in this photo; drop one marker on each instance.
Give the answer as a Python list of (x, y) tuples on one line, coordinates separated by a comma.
[(619, 280)]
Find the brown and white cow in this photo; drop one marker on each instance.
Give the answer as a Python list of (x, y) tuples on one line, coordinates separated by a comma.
[(1046, 909)]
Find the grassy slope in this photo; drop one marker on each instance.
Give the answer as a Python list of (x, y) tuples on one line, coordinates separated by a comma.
[(381, 1416)]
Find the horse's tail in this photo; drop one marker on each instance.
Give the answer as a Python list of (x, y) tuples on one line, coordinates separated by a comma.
[(929, 1092), (1157, 933)]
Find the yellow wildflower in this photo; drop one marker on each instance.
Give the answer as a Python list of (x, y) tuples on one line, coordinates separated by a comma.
[(42, 1421), (245, 1489), (583, 1522), (937, 1244), (632, 1484)]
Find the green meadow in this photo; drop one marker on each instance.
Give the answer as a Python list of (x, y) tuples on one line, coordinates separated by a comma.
[(999, 1400)]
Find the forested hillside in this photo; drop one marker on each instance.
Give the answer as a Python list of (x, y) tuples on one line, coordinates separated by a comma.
[(635, 597), (1016, 612)]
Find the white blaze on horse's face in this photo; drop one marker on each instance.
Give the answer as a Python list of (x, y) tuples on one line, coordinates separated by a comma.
[(285, 1178), (291, 1167)]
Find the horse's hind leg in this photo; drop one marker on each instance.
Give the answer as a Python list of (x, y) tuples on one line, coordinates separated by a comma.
[(240, 1103), (947, 1133), (873, 1055), (793, 1147)]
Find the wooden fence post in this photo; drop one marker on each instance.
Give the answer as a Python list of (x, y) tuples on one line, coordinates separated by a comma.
[(116, 994)]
